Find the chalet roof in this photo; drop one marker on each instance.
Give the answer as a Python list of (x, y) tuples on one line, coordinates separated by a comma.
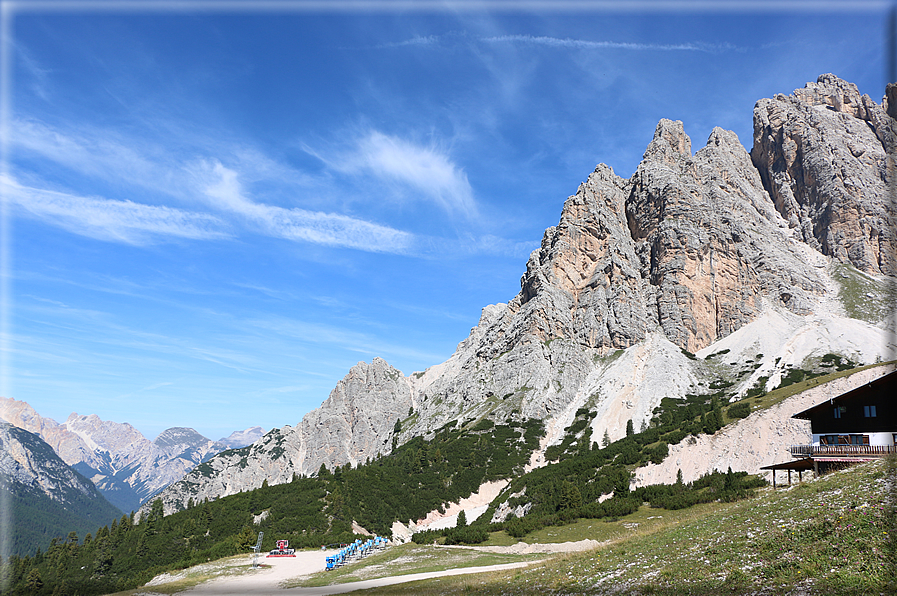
[(804, 463), (860, 393)]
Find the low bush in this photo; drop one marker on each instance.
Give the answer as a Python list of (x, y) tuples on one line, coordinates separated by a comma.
[(739, 410)]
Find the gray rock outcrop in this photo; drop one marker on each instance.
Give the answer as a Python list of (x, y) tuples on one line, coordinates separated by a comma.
[(823, 155), (710, 242), (354, 424), (179, 442), (29, 461)]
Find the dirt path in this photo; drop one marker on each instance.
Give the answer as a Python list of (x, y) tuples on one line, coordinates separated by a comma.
[(266, 581)]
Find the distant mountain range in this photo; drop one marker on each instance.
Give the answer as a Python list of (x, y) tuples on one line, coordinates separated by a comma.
[(46, 497), (124, 465), (716, 272)]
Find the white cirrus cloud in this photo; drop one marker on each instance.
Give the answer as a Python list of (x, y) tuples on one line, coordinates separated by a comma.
[(615, 45), (423, 168), (109, 219), (221, 186), (100, 154)]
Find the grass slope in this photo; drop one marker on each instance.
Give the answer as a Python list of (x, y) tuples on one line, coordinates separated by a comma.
[(835, 535), (408, 559)]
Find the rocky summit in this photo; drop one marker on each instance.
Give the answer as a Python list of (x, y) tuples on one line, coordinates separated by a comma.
[(823, 155), (780, 254)]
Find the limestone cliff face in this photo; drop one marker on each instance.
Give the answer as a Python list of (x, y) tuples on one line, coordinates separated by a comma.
[(584, 282), (822, 153), (710, 242), (690, 250), (357, 419)]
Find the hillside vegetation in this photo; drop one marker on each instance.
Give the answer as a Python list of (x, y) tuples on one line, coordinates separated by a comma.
[(418, 477), (835, 535)]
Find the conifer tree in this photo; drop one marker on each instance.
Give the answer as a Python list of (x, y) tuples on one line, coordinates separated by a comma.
[(462, 520), (571, 497), (34, 582), (730, 480)]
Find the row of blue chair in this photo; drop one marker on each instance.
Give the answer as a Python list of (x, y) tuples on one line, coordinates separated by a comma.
[(355, 550)]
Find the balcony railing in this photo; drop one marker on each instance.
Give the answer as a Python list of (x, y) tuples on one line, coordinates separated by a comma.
[(856, 450)]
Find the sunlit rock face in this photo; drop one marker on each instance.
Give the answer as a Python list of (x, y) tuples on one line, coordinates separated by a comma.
[(823, 154)]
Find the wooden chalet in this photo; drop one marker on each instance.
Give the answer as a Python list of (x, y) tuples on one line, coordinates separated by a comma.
[(854, 427)]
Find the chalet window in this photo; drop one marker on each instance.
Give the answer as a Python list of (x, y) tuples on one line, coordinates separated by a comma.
[(869, 411), (839, 411)]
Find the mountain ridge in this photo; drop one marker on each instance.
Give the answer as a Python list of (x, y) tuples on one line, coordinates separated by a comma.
[(637, 276), (125, 466), (46, 497)]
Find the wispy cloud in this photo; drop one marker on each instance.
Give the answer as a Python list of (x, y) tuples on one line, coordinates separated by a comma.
[(99, 154), (223, 193), (345, 338), (149, 388), (424, 168), (418, 41), (32, 69), (222, 186), (111, 220), (584, 44), (566, 42), (118, 161)]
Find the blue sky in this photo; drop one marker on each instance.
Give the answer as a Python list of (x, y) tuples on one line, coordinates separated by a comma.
[(211, 215)]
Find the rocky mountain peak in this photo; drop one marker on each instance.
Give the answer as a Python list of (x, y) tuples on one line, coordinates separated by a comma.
[(242, 438), (836, 94), (46, 495), (186, 443), (669, 141), (822, 154), (357, 416), (890, 100), (177, 434), (123, 464)]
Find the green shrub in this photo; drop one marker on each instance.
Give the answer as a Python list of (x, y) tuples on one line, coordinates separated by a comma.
[(739, 410), (658, 454), (467, 535), (688, 354)]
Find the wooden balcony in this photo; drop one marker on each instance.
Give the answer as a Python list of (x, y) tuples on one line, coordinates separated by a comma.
[(843, 450)]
